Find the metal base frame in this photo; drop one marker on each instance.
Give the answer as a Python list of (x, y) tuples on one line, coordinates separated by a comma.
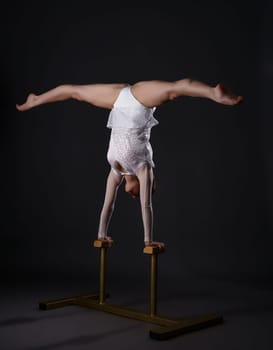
[(168, 328)]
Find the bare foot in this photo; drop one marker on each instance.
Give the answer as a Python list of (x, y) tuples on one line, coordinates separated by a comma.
[(28, 104), (223, 95), (159, 245)]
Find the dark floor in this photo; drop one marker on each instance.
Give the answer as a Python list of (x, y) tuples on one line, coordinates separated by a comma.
[(247, 313)]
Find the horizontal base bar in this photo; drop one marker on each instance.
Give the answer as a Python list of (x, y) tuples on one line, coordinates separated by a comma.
[(54, 304), (185, 326), (169, 328), (125, 312)]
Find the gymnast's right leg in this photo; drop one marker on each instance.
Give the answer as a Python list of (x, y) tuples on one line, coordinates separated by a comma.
[(112, 185), (99, 95)]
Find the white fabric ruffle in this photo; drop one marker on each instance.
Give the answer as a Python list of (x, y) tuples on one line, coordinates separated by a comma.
[(129, 113)]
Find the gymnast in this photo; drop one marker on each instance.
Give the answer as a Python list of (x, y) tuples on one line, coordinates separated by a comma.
[(131, 119)]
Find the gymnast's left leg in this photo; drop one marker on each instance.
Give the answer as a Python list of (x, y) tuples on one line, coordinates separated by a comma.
[(156, 92)]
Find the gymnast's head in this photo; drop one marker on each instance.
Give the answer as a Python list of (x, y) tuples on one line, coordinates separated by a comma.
[(132, 186)]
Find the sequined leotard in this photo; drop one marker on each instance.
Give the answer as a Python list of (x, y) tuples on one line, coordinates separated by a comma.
[(131, 124)]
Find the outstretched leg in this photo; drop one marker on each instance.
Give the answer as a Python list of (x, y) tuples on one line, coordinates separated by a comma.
[(112, 185), (156, 92), (100, 95), (145, 176), (149, 93)]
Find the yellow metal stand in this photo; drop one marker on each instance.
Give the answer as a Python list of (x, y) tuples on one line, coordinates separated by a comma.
[(168, 327)]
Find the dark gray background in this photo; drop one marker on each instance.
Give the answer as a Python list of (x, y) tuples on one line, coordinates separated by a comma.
[(213, 204)]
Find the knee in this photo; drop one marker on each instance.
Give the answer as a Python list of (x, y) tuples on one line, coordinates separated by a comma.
[(172, 91), (76, 92), (177, 86)]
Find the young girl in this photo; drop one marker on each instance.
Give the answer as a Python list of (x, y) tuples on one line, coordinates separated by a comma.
[(131, 118)]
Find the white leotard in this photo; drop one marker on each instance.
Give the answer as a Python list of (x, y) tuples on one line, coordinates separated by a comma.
[(131, 124)]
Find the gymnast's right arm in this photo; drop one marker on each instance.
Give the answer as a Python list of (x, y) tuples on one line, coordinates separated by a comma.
[(112, 185)]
